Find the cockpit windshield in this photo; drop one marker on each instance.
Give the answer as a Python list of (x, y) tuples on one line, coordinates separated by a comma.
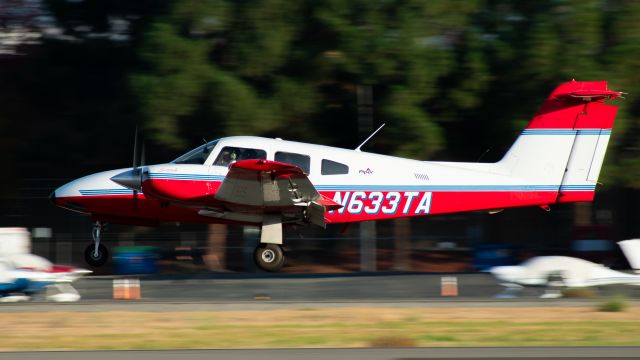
[(198, 155)]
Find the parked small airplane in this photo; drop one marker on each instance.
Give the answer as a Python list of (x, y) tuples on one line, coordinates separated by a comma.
[(272, 182), (23, 275), (557, 272)]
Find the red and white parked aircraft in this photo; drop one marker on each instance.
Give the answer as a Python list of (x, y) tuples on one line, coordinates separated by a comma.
[(272, 182), (23, 274)]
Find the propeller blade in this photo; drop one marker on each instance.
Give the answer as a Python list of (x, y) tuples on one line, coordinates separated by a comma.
[(133, 178), (142, 153), (134, 168), (135, 148), (142, 161)]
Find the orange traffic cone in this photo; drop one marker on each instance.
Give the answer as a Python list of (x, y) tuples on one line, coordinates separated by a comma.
[(449, 286), (126, 289)]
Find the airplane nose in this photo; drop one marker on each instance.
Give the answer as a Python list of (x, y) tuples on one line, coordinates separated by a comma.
[(131, 179), (59, 198), (52, 197)]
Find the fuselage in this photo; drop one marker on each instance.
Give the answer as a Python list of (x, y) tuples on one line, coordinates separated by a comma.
[(369, 186)]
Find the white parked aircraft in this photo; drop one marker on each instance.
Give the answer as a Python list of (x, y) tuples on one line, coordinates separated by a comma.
[(557, 272)]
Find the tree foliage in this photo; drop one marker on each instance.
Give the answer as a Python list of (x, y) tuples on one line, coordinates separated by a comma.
[(276, 67), (449, 80)]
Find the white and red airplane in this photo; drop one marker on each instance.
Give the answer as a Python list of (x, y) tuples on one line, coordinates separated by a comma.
[(22, 275), (273, 182)]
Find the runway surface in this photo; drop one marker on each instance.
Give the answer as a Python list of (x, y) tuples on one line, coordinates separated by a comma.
[(566, 353), (267, 291), (310, 288), (285, 287)]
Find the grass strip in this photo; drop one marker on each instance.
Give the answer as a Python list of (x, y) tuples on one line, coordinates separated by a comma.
[(320, 327)]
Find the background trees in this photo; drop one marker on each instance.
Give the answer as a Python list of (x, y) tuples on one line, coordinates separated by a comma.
[(451, 80)]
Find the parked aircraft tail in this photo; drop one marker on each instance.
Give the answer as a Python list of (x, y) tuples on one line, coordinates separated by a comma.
[(631, 250), (563, 146)]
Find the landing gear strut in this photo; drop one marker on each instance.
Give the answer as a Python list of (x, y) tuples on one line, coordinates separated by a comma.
[(96, 255), (269, 255)]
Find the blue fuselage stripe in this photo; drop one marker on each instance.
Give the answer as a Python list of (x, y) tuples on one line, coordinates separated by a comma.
[(566, 132)]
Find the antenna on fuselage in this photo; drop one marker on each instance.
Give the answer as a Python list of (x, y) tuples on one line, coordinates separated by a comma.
[(370, 136)]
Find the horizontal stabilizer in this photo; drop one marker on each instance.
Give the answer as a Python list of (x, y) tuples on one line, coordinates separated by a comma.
[(591, 95)]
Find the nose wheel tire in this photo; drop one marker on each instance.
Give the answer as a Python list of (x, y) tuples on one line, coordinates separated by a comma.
[(269, 257), (93, 260)]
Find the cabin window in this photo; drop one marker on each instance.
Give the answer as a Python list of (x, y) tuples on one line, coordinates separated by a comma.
[(299, 160), (230, 154), (198, 155), (333, 168)]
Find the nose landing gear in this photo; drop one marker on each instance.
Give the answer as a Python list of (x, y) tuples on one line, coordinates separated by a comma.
[(96, 255)]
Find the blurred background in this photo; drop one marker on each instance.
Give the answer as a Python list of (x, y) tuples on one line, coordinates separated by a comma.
[(453, 81)]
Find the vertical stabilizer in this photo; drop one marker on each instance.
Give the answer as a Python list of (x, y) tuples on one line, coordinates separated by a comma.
[(563, 146), (631, 250)]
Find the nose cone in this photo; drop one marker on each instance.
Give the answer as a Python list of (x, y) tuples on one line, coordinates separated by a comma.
[(52, 198), (77, 194), (131, 179)]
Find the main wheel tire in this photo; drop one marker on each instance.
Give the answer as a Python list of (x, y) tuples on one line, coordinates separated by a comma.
[(96, 261), (269, 257)]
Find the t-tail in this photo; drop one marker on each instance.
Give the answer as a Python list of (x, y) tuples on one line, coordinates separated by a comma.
[(565, 142)]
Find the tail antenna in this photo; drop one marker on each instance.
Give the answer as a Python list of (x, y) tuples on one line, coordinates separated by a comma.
[(370, 136)]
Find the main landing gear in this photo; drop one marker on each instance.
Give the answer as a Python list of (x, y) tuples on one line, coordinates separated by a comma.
[(269, 255), (96, 255)]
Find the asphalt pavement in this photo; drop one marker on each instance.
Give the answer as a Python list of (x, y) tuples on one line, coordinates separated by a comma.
[(236, 291), (232, 287)]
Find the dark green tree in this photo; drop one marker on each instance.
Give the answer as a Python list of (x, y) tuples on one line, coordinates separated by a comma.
[(274, 68)]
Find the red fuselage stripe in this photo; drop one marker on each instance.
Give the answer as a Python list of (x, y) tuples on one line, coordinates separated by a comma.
[(358, 205)]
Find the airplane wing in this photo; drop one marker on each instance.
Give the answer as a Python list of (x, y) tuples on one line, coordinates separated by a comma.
[(272, 187)]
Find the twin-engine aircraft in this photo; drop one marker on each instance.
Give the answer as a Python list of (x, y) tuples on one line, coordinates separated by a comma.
[(273, 182)]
